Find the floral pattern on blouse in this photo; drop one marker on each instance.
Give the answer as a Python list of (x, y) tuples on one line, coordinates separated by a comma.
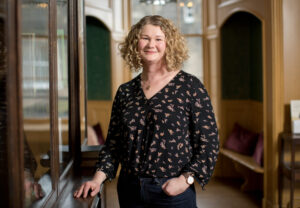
[(170, 133)]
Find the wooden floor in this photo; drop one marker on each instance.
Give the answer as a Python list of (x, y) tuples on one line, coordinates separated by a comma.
[(218, 193)]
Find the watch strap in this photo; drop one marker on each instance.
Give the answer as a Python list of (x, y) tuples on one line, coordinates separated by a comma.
[(187, 174), (189, 177)]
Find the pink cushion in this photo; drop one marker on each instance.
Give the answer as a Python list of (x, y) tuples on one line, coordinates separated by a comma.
[(98, 130), (259, 150), (241, 140)]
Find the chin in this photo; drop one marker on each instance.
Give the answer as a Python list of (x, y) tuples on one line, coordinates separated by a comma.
[(151, 61)]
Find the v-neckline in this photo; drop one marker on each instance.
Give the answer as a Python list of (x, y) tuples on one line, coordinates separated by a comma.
[(159, 91)]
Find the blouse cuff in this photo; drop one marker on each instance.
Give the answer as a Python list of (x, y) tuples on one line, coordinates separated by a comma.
[(202, 180), (109, 176)]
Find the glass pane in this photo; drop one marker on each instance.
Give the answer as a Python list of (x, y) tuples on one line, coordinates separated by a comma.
[(62, 82), (194, 64), (191, 17), (35, 64), (82, 68)]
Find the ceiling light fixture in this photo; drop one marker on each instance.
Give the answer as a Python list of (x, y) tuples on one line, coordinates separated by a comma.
[(157, 2)]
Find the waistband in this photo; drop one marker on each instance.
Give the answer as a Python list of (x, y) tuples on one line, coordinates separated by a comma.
[(140, 179), (144, 178)]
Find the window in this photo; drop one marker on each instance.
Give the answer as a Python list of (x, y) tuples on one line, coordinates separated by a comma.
[(36, 96)]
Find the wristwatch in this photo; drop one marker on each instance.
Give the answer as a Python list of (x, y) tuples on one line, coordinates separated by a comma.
[(189, 177)]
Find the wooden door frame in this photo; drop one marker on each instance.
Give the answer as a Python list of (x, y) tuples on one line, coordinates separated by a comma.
[(273, 88), (14, 115)]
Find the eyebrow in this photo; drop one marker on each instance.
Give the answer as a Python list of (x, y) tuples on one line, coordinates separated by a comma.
[(157, 36)]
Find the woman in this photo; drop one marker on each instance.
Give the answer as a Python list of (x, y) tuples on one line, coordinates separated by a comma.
[(162, 128)]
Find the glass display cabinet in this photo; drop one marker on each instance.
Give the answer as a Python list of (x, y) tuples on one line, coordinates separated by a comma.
[(42, 102)]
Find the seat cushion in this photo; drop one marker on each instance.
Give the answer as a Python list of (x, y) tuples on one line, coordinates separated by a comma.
[(98, 130), (259, 150), (241, 140)]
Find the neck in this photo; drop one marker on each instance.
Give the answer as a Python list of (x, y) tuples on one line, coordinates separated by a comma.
[(154, 71), (155, 77)]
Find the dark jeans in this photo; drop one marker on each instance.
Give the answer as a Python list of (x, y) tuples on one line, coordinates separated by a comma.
[(139, 192)]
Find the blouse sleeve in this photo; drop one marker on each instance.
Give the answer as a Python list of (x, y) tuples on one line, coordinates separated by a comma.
[(108, 161), (204, 136)]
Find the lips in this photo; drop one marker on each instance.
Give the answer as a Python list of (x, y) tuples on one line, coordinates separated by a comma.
[(150, 51)]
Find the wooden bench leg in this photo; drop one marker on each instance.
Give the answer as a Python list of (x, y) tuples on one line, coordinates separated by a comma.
[(252, 180)]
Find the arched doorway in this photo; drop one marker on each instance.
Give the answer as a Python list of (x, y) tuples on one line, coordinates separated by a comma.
[(99, 92), (98, 60), (241, 78)]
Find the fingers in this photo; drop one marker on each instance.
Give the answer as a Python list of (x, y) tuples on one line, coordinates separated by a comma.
[(95, 191), (79, 191), (169, 190), (36, 191), (164, 185), (86, 189), (173, 187), (37, 188)]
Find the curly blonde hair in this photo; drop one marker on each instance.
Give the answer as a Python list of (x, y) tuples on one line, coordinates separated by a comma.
[(176, 48)]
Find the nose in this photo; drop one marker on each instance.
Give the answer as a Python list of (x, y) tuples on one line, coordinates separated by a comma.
[(151, 43)]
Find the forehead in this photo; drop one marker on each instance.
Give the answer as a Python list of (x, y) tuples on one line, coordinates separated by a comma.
[(152, 30)]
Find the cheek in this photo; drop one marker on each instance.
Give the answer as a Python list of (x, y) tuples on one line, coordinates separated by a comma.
[(162, 47), (141, 45)]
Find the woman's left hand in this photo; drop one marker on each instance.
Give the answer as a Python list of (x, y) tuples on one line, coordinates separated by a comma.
[(175, 186)]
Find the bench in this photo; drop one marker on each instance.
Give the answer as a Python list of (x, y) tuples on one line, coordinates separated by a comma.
[(252, 178)]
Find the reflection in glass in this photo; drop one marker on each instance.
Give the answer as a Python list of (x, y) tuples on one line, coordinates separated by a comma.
[(35, 65), (62, 82)]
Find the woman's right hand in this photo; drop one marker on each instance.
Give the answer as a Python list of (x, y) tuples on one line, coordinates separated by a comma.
[(91, 187)]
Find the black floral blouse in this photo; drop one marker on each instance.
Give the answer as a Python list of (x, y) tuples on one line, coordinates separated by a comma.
[(172, 132)]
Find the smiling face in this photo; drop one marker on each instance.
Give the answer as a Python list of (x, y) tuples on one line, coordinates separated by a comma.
[(152, 44)]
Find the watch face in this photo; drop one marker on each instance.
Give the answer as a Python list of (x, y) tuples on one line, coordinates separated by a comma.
[(190, 180)]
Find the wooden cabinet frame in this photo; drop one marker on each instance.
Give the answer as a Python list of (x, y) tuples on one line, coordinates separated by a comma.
[(12, 136)]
